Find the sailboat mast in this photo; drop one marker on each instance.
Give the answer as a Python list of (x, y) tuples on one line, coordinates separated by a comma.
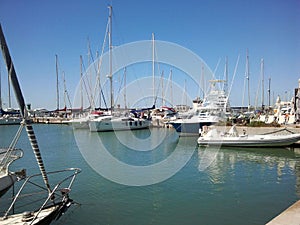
[(171, 74), (20, 99), (153, 65), (57, 89), (110, 59), (125, 103), (9, 95), (81, 92), (0, 91), (262, 84), (162, 89), (226, 76), (247, 76)]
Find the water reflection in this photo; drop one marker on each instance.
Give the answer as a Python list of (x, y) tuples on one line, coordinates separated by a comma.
[(280, 164)]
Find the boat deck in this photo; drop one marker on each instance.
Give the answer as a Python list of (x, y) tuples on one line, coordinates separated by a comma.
[(289, 216)]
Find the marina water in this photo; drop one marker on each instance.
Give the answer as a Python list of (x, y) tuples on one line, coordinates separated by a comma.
[(239, 186)]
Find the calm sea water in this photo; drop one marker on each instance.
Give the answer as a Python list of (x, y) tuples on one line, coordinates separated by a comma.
[(238, 187)]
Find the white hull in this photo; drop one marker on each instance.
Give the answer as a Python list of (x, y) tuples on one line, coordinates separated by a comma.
[(83, 122), (6, 181), (44, 217), (7, 178), (251, 141), (191, 126), (80, 123), (109, 123)]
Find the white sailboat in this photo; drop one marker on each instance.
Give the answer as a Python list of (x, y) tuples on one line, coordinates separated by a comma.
[(6, 117), (7, 177), (54, 199), (112, 122)]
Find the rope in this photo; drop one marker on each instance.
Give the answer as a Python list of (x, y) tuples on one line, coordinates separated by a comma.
[(278, 131), (5, 161)]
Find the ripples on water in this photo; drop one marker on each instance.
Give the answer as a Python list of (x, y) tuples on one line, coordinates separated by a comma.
[(239, 186)]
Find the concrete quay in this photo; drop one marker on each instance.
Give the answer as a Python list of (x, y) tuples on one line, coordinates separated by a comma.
[(291, 216), (50, 120)]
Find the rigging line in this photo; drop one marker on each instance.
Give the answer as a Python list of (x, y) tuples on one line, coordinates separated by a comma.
[(157, 91), (233, 77), (258, 90), (168, 84), (89, 75), (216, 68), (99, 64), (66, 94), (121, 84), (12, 146), (84, 84)]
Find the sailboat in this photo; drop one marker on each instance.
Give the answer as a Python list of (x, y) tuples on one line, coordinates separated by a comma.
[(8, 117), (112, 122), (7, 177), (56, 200)]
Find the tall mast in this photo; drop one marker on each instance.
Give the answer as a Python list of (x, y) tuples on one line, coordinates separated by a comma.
[(9, 95), (65, 90), (262, 84), (269, 91), (153, 65), (110, 59), (20, 99), (0, 91), (226, 76), (162, 89), (203, 82), (81, 92), (247, 77), (171, 74), (57, 89), (125, 103)]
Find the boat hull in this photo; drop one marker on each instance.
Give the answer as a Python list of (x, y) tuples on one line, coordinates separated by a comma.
[(255, 141), (186, 128), (45, 217), (118, 124), (6, 181)]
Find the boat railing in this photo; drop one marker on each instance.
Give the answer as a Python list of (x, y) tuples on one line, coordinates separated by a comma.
[(32, 192), (8, 156)]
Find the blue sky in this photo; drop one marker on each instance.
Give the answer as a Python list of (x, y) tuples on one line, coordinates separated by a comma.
[(37, 30)]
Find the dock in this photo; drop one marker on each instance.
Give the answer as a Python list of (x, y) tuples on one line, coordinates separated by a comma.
[(290, 216), (50, 120)]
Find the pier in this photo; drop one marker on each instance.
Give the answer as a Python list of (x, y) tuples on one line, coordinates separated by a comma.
[(50, 120), (290, 216)]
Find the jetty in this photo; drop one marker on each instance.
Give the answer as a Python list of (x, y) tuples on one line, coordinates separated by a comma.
[(50, 120), (290, 216)]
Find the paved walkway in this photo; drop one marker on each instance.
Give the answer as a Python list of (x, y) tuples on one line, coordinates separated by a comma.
[(291, 216)]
